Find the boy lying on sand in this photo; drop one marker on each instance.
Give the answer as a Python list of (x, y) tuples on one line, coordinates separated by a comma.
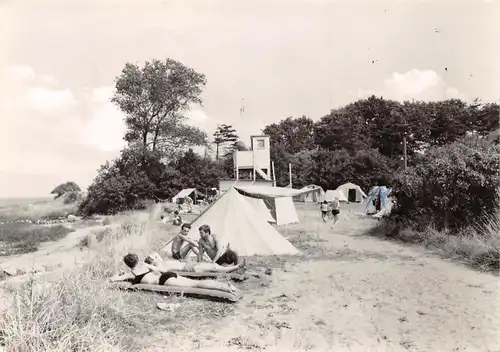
[(155, 260), (148, 273)]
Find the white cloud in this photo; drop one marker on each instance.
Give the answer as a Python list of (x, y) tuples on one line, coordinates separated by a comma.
[(424, 85), (47, 99), (197, 116)]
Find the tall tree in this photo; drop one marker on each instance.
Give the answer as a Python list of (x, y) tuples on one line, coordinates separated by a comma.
[(225, 136), (154, 99), (198, 172), (342, 129), (293, 134)]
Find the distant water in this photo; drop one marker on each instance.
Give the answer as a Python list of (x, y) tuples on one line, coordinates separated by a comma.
[(8, 202)]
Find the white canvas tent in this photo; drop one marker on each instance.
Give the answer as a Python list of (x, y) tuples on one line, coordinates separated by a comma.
[(237, 224), (260, 207), (330, 195), (278, 200), (353, 192), (187, 192), (312, 194)]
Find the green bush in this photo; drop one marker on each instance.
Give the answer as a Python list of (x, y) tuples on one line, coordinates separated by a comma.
[(71, 197), (124, 183), (452, 186)]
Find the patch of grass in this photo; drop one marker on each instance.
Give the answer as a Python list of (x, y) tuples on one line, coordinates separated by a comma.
[(23, 238), (95, 236), (478, 245)]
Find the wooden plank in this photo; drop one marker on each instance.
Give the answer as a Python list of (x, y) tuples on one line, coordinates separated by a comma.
[(189, 274)]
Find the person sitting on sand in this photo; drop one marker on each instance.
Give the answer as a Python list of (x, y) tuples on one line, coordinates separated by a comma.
[(142, 273), (178, 251), (175, 220), (205, 267), (210, 244)]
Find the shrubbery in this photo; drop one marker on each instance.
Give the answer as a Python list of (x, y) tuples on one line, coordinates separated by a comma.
[(124, 183), (139, 174), (64, 188), (452, 186)]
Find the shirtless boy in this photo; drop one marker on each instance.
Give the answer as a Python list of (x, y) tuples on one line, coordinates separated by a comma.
[(209, 243), (178, 251)]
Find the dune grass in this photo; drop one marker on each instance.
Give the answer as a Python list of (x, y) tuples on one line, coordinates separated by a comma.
[(82, 311), (24, 238), (477, 245)]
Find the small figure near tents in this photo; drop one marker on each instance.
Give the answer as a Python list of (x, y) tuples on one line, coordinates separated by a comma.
[(324, 210), (175, 220), (335, 209), (210, 244)]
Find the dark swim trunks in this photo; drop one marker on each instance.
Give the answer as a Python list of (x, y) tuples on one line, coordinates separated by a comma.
[(229, 257), (335, 212), (165, 276), (176, 256)]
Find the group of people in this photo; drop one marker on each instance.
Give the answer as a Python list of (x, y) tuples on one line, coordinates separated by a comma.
[(330, 210), (155, 270), (208, 244)]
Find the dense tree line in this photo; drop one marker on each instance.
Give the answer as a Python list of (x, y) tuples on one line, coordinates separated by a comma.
[(363, 141)]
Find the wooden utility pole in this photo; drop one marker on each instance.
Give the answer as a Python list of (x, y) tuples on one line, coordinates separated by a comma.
[(290, 172), (405, 156)]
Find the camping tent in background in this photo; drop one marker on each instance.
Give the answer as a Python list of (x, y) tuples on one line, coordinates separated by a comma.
[(312, 194), (377, 194), (278, 200), (185, 193), (238, 225), (330, 195), (353, 192)]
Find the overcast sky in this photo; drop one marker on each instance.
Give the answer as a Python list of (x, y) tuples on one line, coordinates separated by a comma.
[(59, 58)]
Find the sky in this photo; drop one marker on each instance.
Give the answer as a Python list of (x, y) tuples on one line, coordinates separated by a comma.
[(280, 58)]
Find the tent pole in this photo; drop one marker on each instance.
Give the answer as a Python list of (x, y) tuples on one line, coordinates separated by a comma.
[(290, 173), (274, 174)]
